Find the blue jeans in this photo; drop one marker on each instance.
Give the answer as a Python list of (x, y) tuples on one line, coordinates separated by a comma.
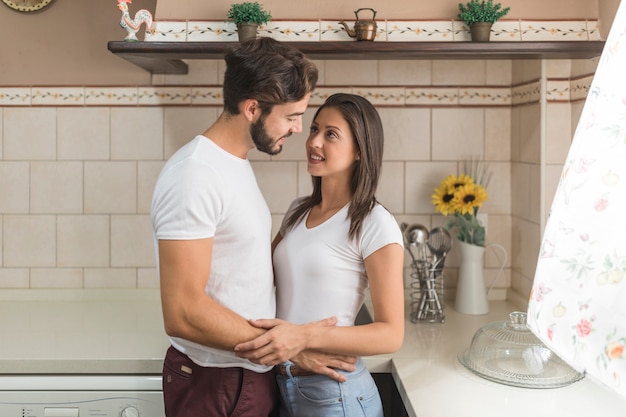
[(320, 396)]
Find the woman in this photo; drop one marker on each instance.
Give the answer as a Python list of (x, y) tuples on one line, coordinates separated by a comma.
[(331, 246)]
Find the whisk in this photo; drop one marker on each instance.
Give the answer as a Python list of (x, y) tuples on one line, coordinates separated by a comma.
[(431, 300)]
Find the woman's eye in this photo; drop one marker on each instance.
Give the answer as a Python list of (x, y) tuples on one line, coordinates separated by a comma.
[(313, 129)]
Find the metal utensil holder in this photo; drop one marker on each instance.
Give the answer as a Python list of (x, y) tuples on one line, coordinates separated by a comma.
[(427, 298)]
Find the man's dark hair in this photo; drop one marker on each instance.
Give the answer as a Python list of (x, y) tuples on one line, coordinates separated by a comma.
[(269, 71)]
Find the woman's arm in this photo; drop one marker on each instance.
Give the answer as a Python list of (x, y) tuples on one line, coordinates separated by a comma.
[(285, 340)]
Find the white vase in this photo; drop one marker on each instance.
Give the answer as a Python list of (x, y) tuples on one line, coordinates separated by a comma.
[(471, 294)]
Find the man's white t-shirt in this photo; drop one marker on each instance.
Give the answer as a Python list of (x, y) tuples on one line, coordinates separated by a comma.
[(320, 272), (205, 192)]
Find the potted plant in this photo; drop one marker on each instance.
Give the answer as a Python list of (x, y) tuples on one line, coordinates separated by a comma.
[(248, 16), (479, 16)]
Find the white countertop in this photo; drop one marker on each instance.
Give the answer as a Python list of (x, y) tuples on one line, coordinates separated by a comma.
[(433, 383), (81, 332), (121, 332)]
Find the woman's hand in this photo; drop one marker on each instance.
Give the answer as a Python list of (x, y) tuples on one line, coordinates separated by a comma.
[(281, 342)]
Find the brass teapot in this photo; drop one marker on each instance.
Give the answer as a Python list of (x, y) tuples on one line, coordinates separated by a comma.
[(364, 30)]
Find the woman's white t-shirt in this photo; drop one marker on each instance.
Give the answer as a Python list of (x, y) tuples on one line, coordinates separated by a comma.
[(321, 273)]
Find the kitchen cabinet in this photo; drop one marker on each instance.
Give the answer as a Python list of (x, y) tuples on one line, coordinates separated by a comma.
[(168, 57)]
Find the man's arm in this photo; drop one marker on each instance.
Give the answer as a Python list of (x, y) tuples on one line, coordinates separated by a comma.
[(188, 312)]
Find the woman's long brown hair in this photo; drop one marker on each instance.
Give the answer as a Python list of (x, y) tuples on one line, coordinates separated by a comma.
[(367, 130)]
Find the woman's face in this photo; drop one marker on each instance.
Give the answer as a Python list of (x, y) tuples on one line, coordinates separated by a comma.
[(331, 149)]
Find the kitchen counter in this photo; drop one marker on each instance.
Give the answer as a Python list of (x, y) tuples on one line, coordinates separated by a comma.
[(81, 332), (121, 332), (433, 383)]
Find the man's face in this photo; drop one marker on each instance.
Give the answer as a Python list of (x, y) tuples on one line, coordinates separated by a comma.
[(271, 130)]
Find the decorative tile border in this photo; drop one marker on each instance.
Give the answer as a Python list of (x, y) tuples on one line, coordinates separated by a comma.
[(557, 90), (526, 93), (388, 30), (579, 88)]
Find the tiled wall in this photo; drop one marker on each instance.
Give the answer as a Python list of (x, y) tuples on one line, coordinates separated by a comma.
[(78, 164)]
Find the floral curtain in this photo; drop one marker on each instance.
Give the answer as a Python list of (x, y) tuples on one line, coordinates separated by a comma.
[(578, 302)]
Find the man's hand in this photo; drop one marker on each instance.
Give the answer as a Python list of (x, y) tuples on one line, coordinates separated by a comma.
[(281, 342), (325, 363)]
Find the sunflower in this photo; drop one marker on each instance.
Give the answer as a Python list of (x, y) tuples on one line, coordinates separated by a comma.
[(468, 198), (442, 199), (455, 182), (461, 196)]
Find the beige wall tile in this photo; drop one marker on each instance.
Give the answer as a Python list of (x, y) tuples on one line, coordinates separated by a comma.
[(279, 183), (525, 70), (14, 277), (110, 187), (353, 72), (530, 150), (498, 72), (525, 244), (201, 72), (83, 240), (558, 68), (56, 278), (29, 133), (14, 187), (499, 189), (499, 232), (182, 124), (421, 180), (534, 197), (407, 133), (498, 134), (1, 133), (136, 133), (390, 191), (83, 133), (131, 241), (56, 187), (465, 72), (553, 176), (457, 134), (147, 174), (405, 72), (520, 190), (147, 278), (583, 66), (29, 240), (305, 183), (110, 278), (558, 132)]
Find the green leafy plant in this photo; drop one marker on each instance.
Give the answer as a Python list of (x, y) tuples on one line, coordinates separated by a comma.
[(476, 11), (248, 12)]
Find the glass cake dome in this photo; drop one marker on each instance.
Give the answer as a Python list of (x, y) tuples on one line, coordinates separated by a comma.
[(507, 352)]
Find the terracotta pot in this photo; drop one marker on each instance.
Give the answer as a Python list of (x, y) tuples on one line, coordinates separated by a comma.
[(480, 31), (247, 31)]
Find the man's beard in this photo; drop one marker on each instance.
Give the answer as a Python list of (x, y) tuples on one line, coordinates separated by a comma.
[(263, 141)]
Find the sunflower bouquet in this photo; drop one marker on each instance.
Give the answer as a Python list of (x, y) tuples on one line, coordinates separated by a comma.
[(461, 196)]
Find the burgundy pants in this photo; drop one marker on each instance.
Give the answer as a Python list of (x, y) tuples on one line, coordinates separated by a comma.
[(190, 390)]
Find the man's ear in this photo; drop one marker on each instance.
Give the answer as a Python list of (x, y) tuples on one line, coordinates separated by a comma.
[(251, 110)]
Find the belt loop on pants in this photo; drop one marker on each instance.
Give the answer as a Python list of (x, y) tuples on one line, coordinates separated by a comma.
[(290, 370)]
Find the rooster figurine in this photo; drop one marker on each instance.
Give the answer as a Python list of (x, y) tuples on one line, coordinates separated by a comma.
[(133, 25)]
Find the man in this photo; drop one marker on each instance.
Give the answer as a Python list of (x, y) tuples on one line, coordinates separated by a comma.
[(212, 231)]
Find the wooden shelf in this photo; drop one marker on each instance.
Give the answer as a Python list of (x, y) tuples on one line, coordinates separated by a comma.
[(167, 57)]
